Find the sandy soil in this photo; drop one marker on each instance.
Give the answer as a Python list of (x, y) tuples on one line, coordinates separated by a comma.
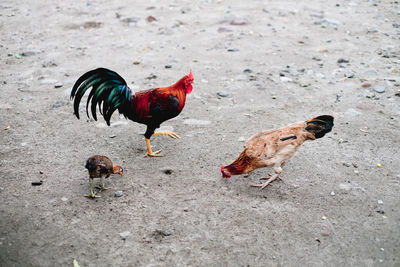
[(286, 61)]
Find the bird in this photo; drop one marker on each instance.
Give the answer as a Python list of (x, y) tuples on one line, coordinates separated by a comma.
[(99, 167), (150, 107), (273, 148)]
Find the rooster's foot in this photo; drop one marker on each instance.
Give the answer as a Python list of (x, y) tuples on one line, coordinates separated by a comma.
[(167, 133), (153, 154)]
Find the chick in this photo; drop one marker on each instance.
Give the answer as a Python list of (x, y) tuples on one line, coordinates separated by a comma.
[(100, 167)]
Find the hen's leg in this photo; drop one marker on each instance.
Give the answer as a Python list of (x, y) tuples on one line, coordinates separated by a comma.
[(271, 179), (91, 194), (277, 170), (150, 152)]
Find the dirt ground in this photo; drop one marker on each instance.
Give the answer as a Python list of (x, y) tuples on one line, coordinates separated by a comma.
[(257, 65)]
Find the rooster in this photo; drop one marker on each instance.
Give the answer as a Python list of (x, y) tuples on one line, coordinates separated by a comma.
[(273, 148), (98, 167), (150, 107)]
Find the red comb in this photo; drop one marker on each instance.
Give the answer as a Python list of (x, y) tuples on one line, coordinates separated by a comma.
[(190, 75)]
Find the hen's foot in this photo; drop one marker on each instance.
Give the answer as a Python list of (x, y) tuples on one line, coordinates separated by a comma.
[(263, 185)]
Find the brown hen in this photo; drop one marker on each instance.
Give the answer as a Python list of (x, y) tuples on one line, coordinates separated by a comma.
[(273, 148)]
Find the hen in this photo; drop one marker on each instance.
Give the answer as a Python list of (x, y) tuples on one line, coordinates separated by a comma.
[(273, 148), (100, 167), (150, 107)]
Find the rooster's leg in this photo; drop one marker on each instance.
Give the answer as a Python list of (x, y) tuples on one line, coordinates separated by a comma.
[(167, 133), (263, 185), (91, 195), (150, 152), (101, 185)]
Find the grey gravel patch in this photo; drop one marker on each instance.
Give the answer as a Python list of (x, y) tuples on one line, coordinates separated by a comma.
[(196, 122)]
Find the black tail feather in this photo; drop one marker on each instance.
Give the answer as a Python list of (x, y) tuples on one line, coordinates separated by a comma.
[(109, 91)]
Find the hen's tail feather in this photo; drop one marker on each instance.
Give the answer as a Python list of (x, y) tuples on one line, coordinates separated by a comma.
[(109, 92), (320, 125)]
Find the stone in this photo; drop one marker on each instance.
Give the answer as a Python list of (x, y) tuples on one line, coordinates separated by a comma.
[(223, 94), (239, 21), (58, 85), (330, 21), (118, 193), (167, 170), (124, 235), (343, 60), (379, 89)]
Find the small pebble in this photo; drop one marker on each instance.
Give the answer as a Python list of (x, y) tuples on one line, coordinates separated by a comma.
[(58, 85), (349, 75), (166, 233), (378, 165), (379, 89), (366, 85), (118, 194), (168, 66), (380, 202), (124, 235), (239, 21), (64, 199), (343, 60), (332, 193), (223, 94), (167, 170), (323, 218)]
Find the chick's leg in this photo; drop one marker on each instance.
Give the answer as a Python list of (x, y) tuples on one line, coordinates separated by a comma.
[(91, 194), (101, 185)]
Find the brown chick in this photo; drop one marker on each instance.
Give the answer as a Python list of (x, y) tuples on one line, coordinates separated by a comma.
[(100, 167), (273, 148)]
